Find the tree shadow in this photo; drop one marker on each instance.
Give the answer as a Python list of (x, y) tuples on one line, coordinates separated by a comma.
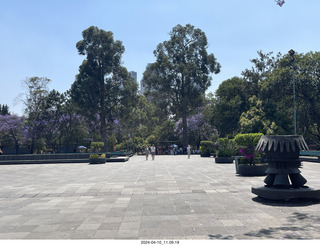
[(299, 226), (220, 237)]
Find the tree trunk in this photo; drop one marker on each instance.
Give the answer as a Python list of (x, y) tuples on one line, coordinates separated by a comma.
[(103, 131), (185, 134), (103, 125), (32, 143)]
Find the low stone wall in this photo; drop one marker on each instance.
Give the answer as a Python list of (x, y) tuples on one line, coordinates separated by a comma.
[(56, 158), (45, 156)]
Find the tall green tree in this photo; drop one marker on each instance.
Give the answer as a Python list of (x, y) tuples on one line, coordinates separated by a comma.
[(308, 94), (143, 118), (254, 120), (103, 86), (262, 66), (34, 100), (179, 77), (4, 110), (277, 94), (224, 110)]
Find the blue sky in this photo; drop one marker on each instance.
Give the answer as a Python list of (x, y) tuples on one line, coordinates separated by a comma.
[(38, 37)]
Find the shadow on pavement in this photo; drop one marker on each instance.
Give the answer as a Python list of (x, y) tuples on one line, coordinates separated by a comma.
[(299, 226)]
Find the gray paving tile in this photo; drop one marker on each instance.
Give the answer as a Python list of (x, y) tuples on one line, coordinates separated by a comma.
[(15, 235), (162, 199), (110, 226), (151, 233), (105, 234)]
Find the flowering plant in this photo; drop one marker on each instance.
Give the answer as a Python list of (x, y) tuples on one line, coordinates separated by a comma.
[(251, 156), (247, 143)]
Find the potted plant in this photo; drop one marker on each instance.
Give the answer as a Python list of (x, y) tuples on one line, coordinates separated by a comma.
[(206, 147), (97, 158), (226, 149), (251, 163), (96, 146)]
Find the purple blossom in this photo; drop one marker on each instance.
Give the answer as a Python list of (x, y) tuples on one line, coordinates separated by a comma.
[(197, 124), (13, 127), (117, 123), (249, 154)]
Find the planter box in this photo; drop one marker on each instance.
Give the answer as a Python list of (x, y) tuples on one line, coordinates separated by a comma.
[(205, 154), (97, 160), (252, 170), (224, 160), (260, 169)]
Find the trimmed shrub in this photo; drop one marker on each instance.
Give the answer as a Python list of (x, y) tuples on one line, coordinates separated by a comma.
[(226, 147), (94, 156), (248, 140), (206, 147), (96, 145)]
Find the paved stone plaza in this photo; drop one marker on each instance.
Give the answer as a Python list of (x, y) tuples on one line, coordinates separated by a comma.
[(170, 198)]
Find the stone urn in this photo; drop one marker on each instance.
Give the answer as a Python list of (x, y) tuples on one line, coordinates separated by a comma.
[(284, 179), (282, 154)]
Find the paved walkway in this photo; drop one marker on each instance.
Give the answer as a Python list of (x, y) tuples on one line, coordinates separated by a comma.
[(171, 197)]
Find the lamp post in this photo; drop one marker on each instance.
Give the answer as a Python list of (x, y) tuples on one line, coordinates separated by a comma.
[(291, 53)]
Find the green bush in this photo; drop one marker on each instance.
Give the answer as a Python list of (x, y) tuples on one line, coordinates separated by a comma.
[(151, 140), (135, 144), (123, 146), (206, 147), (248, 140), (96, 145), (94, 156), (226, 147)]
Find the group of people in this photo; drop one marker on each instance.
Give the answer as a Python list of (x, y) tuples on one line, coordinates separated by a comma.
[(152, 150)]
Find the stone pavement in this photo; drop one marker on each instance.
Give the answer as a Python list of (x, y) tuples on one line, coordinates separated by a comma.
[(171, 197)]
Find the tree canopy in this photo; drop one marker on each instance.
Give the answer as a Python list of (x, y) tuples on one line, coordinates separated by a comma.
[(103, 87), (103, 103), (179, 77)]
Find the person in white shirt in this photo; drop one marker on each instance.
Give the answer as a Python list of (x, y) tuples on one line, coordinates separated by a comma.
[(153, 151), (189, 150)]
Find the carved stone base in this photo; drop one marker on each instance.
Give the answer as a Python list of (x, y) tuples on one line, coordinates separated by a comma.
[(286, 194)]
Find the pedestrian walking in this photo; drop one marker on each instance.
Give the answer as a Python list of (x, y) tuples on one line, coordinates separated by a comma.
[(189, 151), (153, 151), (146, 152)]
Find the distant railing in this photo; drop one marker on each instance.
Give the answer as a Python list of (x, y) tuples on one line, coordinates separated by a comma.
[(310, 154)]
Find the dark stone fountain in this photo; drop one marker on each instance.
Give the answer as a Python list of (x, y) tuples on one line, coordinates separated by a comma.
[(284, 179)]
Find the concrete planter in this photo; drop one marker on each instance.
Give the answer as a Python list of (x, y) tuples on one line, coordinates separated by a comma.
[(205, 154), (253, 170), (224, 160), (100, 160), (250, 170)]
